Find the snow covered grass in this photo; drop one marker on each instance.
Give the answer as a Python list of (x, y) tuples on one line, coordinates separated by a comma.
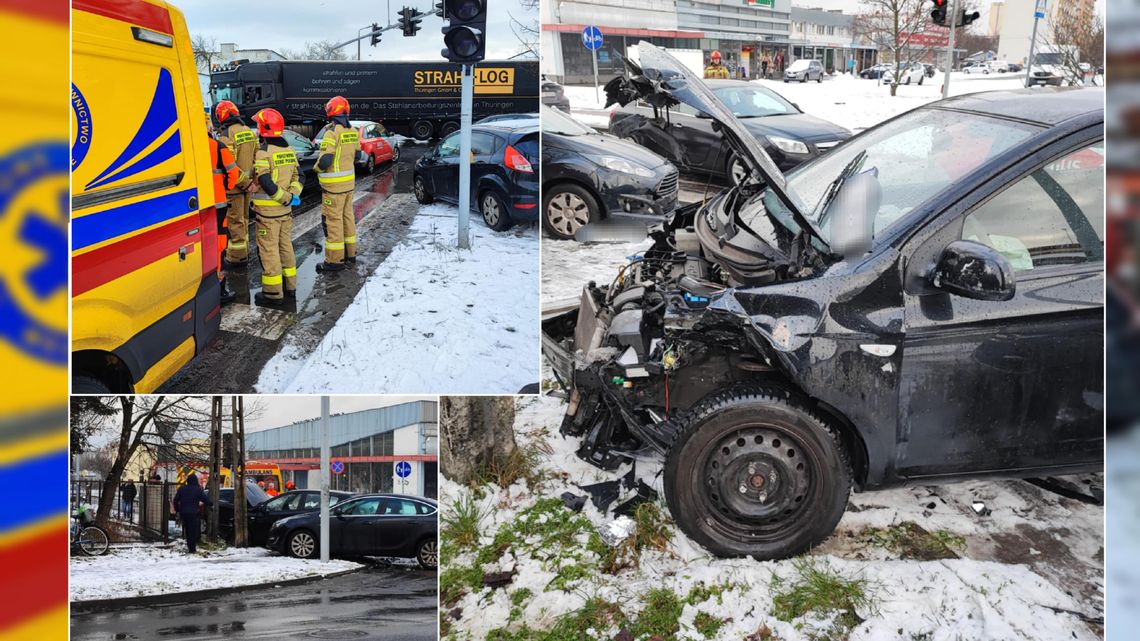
[(431, 318), (1122, 493), (519, 565), (149, 570)]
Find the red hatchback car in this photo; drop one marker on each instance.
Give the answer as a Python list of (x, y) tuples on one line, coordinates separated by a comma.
[(376, 145)]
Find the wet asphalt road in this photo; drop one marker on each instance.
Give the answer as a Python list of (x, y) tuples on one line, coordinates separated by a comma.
[(251, 335), (394, 603)]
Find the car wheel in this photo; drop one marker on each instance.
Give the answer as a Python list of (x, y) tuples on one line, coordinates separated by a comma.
[(448, 128), (736, 170), (566, 209), (370, 166), (920, 79), (803, 79), (427, 554), (755, 472), (907, 81), (302, 544), (82, 384), (819, 78), (495, 213), (395, 153), (422, 194)]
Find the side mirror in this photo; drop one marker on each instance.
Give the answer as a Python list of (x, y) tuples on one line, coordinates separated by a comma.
[(973, 270), (852, 225)]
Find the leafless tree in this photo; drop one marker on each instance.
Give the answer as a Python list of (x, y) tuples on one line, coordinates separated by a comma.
[(891, 25), (319, 50), (205, 51), (1076, 41), (525, 26)]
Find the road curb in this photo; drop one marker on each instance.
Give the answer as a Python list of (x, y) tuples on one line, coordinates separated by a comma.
[(96, 605)]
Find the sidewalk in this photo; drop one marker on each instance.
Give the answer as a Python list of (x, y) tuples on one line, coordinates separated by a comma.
[(144, 570)]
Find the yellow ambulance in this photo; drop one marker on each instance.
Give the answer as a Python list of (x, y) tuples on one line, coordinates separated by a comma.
[(145, 295)]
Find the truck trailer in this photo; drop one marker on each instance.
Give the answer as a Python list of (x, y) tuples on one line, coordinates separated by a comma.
[(416, 99)]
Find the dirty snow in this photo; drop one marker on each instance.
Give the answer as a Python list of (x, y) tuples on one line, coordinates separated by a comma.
[(431, 318), (148, 570), (977, 597), (1122, 489)]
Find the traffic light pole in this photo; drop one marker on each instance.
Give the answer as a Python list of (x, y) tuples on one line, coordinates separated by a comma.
[(950, 49), (465, 154)]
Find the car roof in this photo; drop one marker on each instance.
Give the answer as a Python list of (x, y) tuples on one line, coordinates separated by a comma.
[(1045, 106), (390, 495), (507, 128)]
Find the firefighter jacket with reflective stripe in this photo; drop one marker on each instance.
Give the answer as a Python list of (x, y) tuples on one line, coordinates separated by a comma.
[(280, 164), (716, 71), (242, 143), (342, 143), (226, 172)]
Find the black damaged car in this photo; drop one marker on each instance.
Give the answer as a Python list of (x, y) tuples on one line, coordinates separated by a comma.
[(923, 304), (588, 176)]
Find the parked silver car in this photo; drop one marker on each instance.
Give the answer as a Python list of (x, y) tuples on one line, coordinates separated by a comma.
[(804, 70)]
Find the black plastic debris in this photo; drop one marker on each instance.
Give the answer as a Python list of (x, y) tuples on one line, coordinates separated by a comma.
[(603, 494), (645, 494), (574, 501)]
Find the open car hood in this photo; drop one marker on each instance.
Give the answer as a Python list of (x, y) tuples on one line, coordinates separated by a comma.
[(662, 81)]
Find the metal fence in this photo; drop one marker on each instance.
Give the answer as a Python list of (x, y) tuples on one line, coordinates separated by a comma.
[(148, 516)]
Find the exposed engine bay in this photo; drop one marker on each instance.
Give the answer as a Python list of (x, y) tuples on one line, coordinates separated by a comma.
[(667, 331)]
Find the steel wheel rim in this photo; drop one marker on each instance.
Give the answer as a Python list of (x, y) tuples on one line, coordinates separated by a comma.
[(737, 171), (567, 213), (395, 153), (490, 210), (93, 541), (302, 545), (754, 482), (429, 554), (419, 187)]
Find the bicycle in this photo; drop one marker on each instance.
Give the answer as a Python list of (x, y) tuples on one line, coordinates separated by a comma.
[(89, 538)]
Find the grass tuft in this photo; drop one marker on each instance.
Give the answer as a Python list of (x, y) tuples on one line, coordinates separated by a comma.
[(820, 591), (911, 541)]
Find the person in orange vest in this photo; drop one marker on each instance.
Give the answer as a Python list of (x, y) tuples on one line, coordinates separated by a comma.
[(715, 69), (242, 143), (226, 174), (272, 489), (336, 171)]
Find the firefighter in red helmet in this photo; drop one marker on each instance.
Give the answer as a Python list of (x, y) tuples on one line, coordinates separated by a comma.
[(715, 69), (242, 143), (336, 171), (226, 175), (276, 189)]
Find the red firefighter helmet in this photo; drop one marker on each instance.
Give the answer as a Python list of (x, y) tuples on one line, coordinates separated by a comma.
[(269, 123), (289, 485), (261, 484), (336, 106), (715, 57), (225, 109)]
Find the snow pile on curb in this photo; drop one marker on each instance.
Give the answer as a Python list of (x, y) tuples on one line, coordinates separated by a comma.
[(432, 317), (550, 585), (149, 570), (1122, 486)]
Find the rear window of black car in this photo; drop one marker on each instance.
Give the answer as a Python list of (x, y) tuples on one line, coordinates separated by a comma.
[(528, 147)]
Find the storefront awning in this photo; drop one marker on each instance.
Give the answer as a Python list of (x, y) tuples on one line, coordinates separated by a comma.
[(625, 31)]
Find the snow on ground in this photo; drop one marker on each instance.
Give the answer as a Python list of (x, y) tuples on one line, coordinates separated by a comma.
[(431, 318), (976, 597), (1122, 495), (149, 570)]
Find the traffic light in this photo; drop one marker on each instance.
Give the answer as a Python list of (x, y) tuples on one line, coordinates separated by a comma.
[(967, 18), (465, 36), (410, 21), (439, 10), (375, 34), (939, 13)]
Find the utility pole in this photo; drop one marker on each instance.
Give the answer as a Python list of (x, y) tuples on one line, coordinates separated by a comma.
[(237, 471), (950, 49), (465, 154), (1038, 13), (326, 453), (215, 464)]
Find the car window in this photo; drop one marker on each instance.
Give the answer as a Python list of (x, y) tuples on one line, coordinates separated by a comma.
[(312, 501), (400, 507), (1053, 216), (424, 508), (450, 146), (362, 507), (749, 102), (483, 143)]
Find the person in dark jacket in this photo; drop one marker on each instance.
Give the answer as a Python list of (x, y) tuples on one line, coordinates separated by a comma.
[(128, 492), (186, 502)]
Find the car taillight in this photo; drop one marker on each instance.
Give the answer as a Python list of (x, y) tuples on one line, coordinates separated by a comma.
[(516, 161)]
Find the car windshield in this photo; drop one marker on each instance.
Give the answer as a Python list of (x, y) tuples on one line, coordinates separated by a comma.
[(753, 102), (1047, 59), (799, 65), (221, 92), (918, 156), (556, 122)]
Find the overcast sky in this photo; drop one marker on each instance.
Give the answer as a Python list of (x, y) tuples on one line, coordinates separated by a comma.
[(288, 24), (283, 410), (852, 6)]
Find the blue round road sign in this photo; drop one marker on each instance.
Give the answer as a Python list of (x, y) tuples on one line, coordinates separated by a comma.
[(592, 38), (337, 467), (403, 469)]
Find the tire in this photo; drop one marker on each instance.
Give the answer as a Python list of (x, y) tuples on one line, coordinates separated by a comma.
[(395, 154), (907, 81), (303, 545), (427, 554), (370, 166), (93, 541), (803, 79), (85, 384), (423, 130), (422, 194), (819, 78), (563, 207), (494, 211), (448, 128), (920, 80), (761, 441)]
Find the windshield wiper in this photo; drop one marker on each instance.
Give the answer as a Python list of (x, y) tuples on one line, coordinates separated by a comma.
[(833, 188)]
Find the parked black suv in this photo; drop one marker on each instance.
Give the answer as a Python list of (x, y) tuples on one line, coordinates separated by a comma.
[(504, 172), (922, 304)]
